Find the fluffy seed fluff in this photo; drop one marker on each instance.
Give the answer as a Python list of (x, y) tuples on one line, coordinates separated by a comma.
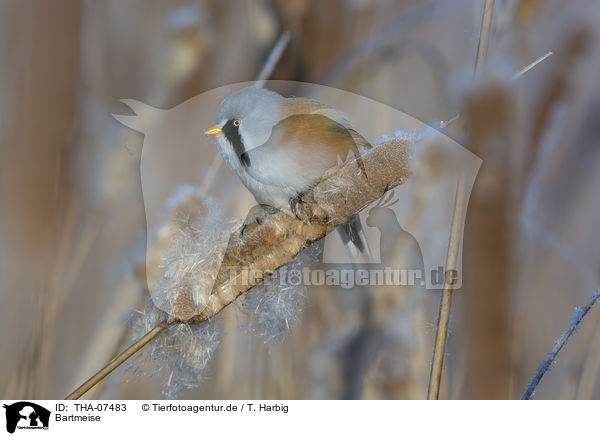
[(400, 134), (179, 355), (271, 306), (194, 240)]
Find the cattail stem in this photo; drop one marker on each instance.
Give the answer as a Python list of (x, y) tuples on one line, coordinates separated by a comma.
[(117, 361), (439, 348), (446, 301)]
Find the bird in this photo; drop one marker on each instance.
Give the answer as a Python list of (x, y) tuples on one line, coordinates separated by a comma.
[(280, 147)]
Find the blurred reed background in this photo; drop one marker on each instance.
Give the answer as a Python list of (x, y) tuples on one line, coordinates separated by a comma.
[(72, 223)]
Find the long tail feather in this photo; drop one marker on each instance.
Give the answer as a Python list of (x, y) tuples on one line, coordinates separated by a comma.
[(353, 237)]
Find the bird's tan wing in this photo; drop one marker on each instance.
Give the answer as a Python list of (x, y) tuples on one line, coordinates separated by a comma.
[(297, 106), (304, 146), (316, 132), (302, 106)]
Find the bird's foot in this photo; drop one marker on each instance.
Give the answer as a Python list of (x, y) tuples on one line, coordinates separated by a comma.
[(300, 209), (294, 202), (256, 215)]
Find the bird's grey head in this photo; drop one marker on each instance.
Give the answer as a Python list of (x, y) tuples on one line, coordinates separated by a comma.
[(249, 115)]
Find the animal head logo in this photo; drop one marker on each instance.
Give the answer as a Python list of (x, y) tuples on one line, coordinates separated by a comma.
[(26, 415)]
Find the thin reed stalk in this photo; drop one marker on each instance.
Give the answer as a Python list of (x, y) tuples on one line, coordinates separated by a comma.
[(548, 363), (441, 335), (484, 36), (116, 362)]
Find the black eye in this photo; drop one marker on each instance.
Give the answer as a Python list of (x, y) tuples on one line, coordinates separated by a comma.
[(237, 123)]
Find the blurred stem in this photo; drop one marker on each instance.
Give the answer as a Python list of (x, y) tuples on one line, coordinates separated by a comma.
[(446, 301), (515, 76), (115, 363), (484, 36), (482, 48), (531, 65), (273, 59), (589, 375)]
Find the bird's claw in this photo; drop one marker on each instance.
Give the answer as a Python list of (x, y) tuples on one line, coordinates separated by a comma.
[(256, 216), (294, 202)]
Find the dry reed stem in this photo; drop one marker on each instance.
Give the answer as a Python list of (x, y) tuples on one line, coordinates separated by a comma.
[(446, 300), (441, 335), (116, 362)]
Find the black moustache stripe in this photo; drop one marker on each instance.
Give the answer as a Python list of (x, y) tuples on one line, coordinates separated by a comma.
[(232, 134)]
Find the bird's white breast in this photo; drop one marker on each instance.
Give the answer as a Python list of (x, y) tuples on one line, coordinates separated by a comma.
[(276, 196)]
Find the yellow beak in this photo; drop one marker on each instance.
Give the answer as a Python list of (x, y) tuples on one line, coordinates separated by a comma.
[(214, 130)]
